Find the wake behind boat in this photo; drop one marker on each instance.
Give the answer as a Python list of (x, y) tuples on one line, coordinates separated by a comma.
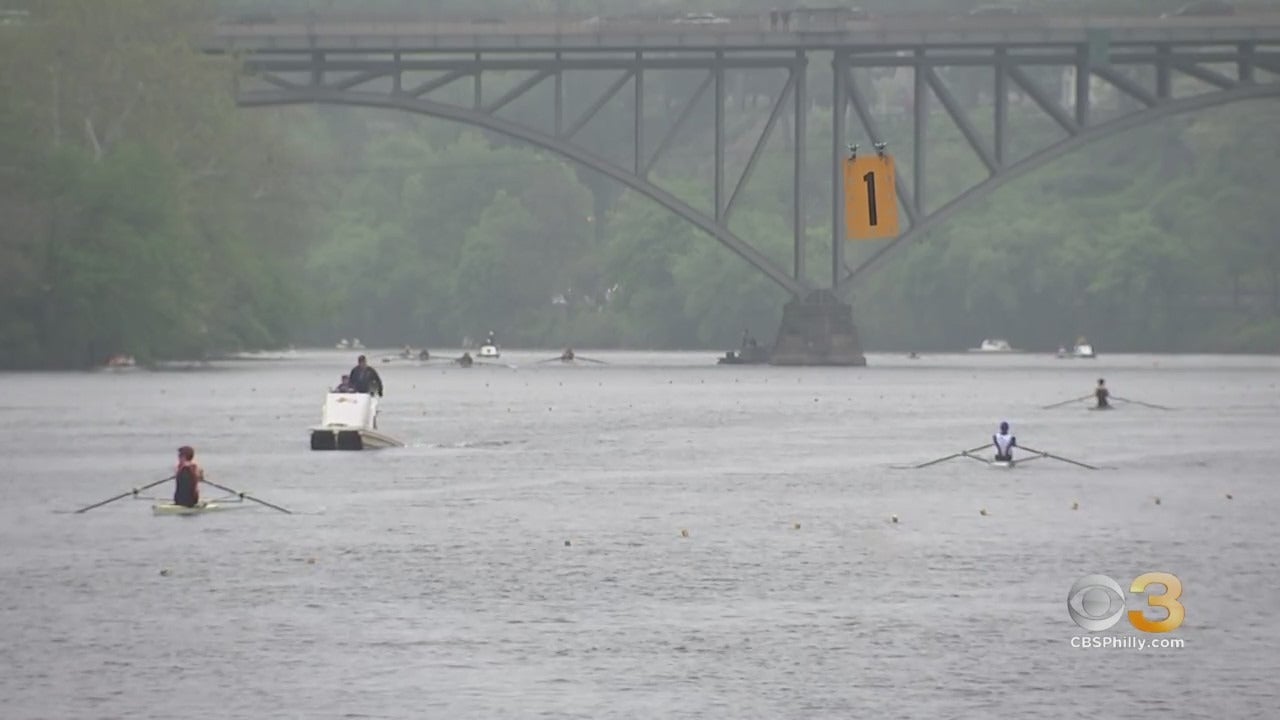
[(349, 421)]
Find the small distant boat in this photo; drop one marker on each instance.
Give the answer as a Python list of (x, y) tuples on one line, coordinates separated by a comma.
[(1081, 350), (750, 355), (994, 345), (120, 363), (488, 350), (342, 344), (204, 506), (349, 421)]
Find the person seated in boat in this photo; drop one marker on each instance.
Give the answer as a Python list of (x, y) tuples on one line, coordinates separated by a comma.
[(423, 354), (345, 386), (365, 379), (1005, 442), (490, 340), (187, 478), (465, 360), (1102, 394), (567, 355)]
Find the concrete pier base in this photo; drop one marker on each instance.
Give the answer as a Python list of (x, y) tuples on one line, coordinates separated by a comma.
[(818, 330)]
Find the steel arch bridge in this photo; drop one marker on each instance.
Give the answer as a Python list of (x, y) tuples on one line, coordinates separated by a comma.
[(1092, 78)]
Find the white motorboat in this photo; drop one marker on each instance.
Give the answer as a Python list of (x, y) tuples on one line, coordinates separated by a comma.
[(488, 350), (994, 345), (1082, 349), (349, 421)]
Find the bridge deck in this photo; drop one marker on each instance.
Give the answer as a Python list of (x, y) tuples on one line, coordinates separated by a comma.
[(540, 35)]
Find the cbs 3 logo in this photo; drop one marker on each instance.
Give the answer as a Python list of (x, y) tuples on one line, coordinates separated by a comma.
[(1096, 602)]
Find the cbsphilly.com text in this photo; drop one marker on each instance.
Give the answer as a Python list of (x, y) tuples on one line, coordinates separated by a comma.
[(1125, 642)]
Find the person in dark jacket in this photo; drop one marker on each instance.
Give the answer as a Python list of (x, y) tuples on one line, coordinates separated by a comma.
[(1102, 395), (186, 478), (364, 378)]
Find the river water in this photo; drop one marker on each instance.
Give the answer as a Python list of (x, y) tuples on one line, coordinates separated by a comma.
[(730, 550)]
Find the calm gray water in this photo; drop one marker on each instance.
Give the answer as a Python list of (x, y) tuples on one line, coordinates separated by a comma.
[(434, 581)]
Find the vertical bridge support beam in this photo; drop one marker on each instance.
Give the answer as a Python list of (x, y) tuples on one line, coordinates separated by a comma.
[(718, 73), (921, 127), (1002, 106), (818, 329), (797, 198)]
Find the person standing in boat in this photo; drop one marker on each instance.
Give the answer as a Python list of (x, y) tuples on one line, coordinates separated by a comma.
[(1005, 442), (364, 378), (187, 478), (1102, 394)]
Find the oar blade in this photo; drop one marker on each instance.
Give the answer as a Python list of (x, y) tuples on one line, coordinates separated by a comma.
[(1065, 402), (247, 496), (122, 496), (1059, 458), (952, 456), (1144, 404)]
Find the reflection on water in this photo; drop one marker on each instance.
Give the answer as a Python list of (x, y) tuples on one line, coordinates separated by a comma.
[(436, 580)]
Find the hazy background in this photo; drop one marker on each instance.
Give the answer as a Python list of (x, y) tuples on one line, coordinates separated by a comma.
[(141, 212)]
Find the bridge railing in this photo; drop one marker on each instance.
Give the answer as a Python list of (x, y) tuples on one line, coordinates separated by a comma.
[(331, 25)]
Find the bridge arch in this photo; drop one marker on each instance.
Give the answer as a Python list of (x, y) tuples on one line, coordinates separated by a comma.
[(1087, 136), (423, 106)]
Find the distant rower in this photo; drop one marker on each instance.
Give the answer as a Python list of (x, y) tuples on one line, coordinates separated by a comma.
[(187, 477), (1005, 443), (1102, 393)]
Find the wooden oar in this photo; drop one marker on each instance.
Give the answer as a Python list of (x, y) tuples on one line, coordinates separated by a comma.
[(1059, 458), (1067, 402), (122, 496), (246, 496), (1139, 402), (962, 453)]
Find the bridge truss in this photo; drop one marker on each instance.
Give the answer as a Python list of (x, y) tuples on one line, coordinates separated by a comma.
[(1101, 81)]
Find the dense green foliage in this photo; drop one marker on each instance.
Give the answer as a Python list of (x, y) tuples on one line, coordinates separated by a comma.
[(144, 214), (1166, 238), (132, 194)]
